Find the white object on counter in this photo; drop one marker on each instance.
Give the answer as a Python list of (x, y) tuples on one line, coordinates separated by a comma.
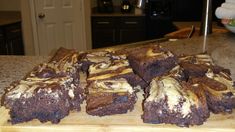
[(230, 1), (226, 11), (228, 5)]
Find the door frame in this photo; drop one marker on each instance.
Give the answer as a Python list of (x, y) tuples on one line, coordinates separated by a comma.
[(86, 38), (34, 26)]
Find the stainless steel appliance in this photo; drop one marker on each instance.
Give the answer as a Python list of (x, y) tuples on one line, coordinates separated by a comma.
[(158, 18), (105, 6)]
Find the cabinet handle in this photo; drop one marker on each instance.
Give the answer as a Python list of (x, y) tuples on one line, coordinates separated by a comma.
[(133, 23), (7, 48), (11, 48), (15, 31), (114, 36), (103, 22)]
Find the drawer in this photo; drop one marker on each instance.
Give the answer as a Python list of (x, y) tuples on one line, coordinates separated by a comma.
[(13, 30), (103, 22), (1, 34), (132, 22)]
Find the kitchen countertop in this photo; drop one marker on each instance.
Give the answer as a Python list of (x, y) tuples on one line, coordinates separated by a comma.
[(9, 17), (185, 24), (116, 14), (220, 46), (13, 68)]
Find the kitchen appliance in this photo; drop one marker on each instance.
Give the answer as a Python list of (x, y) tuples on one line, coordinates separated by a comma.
[(140, 3), (158, 18), (206, 22), (126, 6), (105, 6)]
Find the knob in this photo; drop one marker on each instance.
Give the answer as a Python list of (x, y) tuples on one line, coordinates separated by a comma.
[(41, 15)]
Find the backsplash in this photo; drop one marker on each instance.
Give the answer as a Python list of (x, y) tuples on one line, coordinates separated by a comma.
[(115, 2)]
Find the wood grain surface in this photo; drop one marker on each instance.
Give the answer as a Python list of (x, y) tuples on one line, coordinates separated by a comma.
[(116, 123)]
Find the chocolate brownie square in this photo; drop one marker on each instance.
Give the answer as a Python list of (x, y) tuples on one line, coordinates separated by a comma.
[(219, 89), (114, 69), (108, 97), (95, 57), (48, 92), (152, 61), (112, 86), (172, 101), (198, 65)]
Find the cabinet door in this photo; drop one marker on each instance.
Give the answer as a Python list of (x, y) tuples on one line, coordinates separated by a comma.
[(15, 46), (132, 29), (103, 37), (131, 35), (3, 50), (14, 42), (103, 31)]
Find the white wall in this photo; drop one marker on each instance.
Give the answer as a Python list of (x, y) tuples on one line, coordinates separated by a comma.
[(27, 27), (9, 5)]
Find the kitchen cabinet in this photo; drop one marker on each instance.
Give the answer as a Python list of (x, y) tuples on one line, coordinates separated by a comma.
[(11, 42), (109, 31), (2, 43), (191, 10)]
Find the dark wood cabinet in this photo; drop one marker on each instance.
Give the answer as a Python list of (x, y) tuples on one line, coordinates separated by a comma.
[(109, 31), (11, 42)]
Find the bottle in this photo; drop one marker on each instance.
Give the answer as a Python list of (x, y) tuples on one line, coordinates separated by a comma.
[(126, 6)]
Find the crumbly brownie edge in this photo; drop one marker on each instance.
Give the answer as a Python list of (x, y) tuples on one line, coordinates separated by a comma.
[(117, 104), (156, 114)]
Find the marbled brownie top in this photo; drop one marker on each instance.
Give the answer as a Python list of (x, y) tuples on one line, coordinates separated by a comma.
[(219, 84), (30, 86), (203, 59), (101, 56), (60, 71), (177, 97), (151, 52), (110, 86), (108, 66)]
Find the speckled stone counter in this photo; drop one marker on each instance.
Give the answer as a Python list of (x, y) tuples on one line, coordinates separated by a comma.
[(220, 46), (13, 68)]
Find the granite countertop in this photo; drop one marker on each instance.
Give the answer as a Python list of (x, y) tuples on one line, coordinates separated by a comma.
[(9, 17), (220, 46), (13, 68)]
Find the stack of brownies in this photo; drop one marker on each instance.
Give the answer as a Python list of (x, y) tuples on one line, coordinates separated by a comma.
[(180, 90)]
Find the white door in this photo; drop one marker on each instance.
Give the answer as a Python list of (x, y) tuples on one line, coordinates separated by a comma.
[(59, 24)]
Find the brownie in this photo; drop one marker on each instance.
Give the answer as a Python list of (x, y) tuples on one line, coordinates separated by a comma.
[(152, 61), (112, 86), (172, 101), (48, 92), (108, 97), (198, 65), (94, 57), (176, 73), (219, 89), (114, 69)]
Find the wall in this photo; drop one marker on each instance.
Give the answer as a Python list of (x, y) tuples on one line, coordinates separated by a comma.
[(87, 11), (27, 27), (10, 5)]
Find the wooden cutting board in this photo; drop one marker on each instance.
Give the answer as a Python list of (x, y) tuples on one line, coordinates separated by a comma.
[(117, 123)]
